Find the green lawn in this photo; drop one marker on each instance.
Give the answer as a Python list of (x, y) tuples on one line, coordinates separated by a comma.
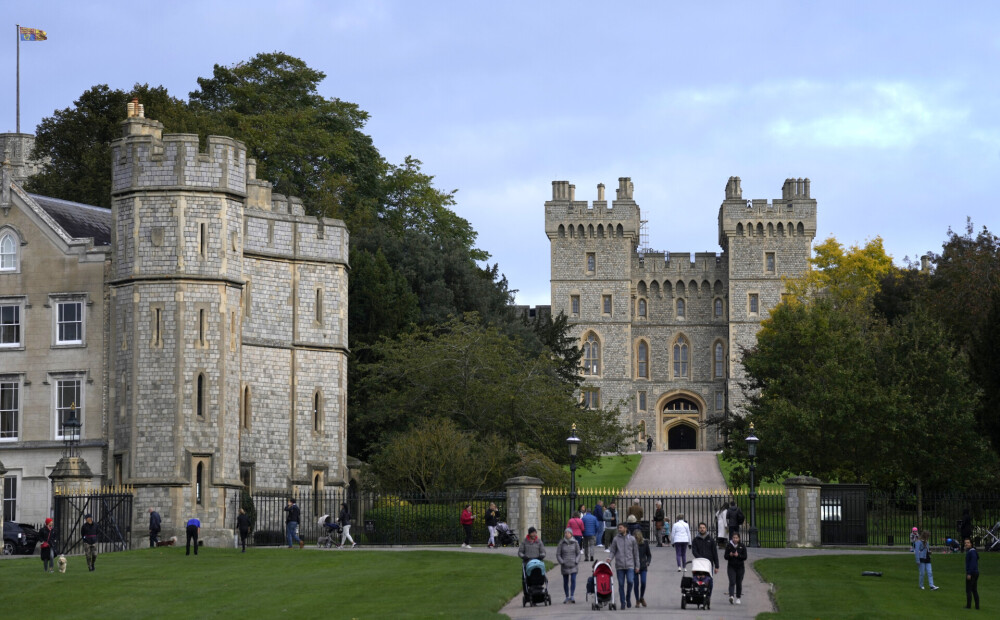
[(275, 583), (727, 467), (611, 472), (831, 586)]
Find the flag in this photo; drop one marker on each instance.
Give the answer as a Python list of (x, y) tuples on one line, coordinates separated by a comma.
[(32, 34)]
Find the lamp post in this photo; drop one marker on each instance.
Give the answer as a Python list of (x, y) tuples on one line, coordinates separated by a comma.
[(71, 432), (574, 443), (752, 442)]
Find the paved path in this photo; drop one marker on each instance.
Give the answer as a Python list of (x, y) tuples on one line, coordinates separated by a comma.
[(678, 471)]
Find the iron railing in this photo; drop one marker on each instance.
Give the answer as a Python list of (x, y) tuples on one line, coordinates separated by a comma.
[(111, 508), (891, 517)]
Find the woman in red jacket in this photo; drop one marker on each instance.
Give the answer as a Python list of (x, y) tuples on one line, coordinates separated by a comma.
[(466, 521)]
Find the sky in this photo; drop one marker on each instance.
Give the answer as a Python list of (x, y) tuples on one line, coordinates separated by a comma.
[(890, 108)]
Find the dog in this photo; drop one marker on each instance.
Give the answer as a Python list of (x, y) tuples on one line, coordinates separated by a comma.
[(167, 543), (62, 563)]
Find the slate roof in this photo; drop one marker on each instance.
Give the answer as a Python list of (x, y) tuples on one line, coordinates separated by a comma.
[(78, 220)]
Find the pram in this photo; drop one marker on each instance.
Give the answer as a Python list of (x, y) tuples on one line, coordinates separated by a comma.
[(331, 531), (990, 537), (697, 589), (505, 537), (536, 584), (602, 585)]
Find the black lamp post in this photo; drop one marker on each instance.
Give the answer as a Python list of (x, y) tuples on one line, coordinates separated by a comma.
[(752, 442), (574, 443), (71, 432)]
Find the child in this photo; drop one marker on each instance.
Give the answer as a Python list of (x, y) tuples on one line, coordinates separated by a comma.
[(913, 538)]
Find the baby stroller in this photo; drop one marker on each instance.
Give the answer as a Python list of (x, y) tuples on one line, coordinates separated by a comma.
[(331, 532), (697, 589), (505, 537), (602, 585), (536, 584)]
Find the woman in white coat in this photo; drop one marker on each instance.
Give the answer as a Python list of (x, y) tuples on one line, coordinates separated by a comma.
[(680, 536), (720, 519)]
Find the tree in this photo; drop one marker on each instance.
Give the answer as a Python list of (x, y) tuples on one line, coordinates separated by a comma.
[(851, 276)]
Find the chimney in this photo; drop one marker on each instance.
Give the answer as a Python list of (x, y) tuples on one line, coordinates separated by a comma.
[(572, 193), (135, 109), (600, 192), (925, 263)]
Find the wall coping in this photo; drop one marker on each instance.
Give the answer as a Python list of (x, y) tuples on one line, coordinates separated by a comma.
[(524, 481), (804, 481)]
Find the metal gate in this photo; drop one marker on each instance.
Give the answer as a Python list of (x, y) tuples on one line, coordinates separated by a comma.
[(111, 508), (844, 514)]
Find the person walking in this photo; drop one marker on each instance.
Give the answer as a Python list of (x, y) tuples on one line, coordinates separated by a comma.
[(703, 546), (154, 527), (680, 536), (649, 444), (645, 559), (193, 529), (610, 522), (736, 557), (922, 553), (243, 526), (532, 547), (720, 521), (599, 515), (965, 526), (625, 552), (590, 527), (659, 521), (568, 557), (636, 510), (344, 519), (50, 545), (467, 519), (491, 524), (88, 532), (292, 520), (575, 523), (734, 518), (971, 573)]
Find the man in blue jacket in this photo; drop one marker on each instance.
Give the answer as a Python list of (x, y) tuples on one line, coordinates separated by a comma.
[(599, 515), (589, 534), (971, 574)]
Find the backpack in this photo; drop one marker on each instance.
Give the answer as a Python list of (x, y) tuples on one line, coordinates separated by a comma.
[(739, 517)]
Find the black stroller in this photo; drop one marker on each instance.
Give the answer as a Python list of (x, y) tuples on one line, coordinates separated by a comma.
[(505, 537), (536, 584), (697, 589), (331, 533)]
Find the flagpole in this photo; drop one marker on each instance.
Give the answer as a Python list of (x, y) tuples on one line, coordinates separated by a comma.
[(18, 27)]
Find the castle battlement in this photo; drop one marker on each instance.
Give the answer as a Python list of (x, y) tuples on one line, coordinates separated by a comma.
[(679, 265), (792, 214), (565, 212), (143, 158)]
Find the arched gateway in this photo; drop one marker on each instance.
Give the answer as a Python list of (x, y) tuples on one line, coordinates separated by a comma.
[(680, 419)]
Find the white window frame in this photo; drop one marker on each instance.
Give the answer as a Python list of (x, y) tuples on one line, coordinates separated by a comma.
[(56, 380), (57, 302), (18, 383), (19, 303), (9, 236), (16, 477)]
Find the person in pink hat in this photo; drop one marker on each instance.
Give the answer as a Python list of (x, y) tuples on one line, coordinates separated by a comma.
[(914, 536)]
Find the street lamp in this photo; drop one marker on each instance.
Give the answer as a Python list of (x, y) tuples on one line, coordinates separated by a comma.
[(752, 442), (71, 432), (574, 444)]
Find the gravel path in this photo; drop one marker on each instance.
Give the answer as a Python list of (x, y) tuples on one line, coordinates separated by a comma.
[(678, 471)]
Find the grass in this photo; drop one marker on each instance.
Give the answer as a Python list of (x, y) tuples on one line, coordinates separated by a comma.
[(727, 467), (831, 586), (610, 471), (164, 583)]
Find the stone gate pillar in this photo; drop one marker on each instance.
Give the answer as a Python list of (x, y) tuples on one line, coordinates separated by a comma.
[(802, 512), (524, 505)]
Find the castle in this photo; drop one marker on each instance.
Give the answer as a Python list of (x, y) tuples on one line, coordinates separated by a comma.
[(198, 330), (661, 333)]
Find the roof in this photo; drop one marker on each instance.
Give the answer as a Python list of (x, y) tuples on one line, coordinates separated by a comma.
[(78, 220)]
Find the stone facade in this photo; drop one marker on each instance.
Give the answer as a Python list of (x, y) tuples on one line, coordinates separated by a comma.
[(662, 332)]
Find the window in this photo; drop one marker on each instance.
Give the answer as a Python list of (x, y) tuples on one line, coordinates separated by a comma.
[(10, 408), (769, 262), (718, 308), (199, 471), (591, 262), (69, 404), (642, 401), (591, 398), (754, 302), (606, 302), (591, 355), (643, 361), (157, 327), (69, 322), (680, 308), (199, 396), (642, 429), (574, 304), (8, 252), (317, 411), (10, 325), (246, 299), (642, 308), (10, 498), (720, 400), (681, 358), (118, 470), (719, 356), (203, 239), (202, 327), (319, 305)]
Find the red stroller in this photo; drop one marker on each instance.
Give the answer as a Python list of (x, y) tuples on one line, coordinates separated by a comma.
[(602, 586)]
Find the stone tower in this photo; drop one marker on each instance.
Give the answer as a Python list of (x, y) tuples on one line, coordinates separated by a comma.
[(176, 303), (766, 241)]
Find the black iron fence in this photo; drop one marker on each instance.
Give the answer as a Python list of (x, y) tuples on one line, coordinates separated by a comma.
[(695, 506), (891, 517), (111, 509), (376, 518)]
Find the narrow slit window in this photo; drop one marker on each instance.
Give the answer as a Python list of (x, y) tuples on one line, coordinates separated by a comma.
[(319, 305), (203, 238)]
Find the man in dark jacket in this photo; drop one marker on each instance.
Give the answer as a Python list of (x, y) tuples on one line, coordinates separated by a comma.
[(971, 573), (734, 518), (292, 523), (154, 528), (703, 546), (89, 534), (599, 515)]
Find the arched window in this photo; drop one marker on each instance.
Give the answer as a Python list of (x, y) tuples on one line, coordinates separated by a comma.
[(198, 480), (681, 358), (642, 365), (317, 411), (642, 308), (592, 355), (680, 308), (199, 404), (562, 230), (718, 308), (641, 288), (8, 252), (719, 357), (800, 229)]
